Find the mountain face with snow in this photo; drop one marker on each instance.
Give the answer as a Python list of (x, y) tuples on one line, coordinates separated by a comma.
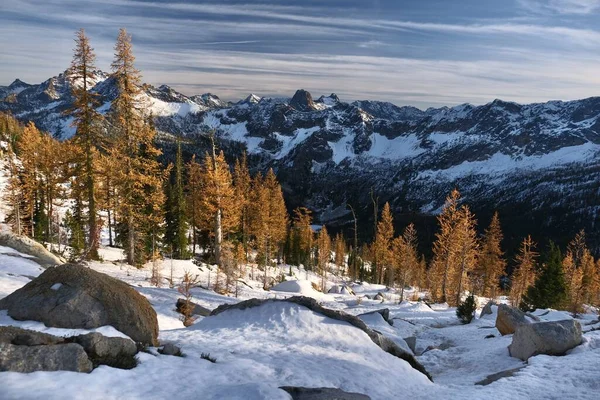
[(536, 164)]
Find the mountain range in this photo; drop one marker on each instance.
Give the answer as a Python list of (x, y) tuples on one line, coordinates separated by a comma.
[(537, 164)]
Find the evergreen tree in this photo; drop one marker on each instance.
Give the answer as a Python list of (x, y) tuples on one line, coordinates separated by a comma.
[(86, 120), (302, 237), (340, 253), (194, 194), (491, 265), (550, 288), (175, 214)]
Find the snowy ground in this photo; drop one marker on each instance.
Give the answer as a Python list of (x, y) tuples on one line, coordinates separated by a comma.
[(277, 344)]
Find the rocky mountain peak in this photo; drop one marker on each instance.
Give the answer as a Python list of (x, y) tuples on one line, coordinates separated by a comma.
[(303, 101)]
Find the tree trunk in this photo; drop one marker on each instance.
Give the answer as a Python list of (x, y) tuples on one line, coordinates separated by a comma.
[(131, 241), (218, 238)]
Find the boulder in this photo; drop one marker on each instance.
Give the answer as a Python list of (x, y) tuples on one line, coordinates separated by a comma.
[(411, 341), (509, 319), (487, 309), (73, 296), (115, 352), (170, 349), (196, 308), (52, 357), (26, 245), (25, 337), (385, 313), (303, 393), (379, 296), (551, 338)]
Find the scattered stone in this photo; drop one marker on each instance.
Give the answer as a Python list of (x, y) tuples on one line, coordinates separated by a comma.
[(487, 309), (196, 308), (341, 289), (551, 338), (310, 303), (379, 296), (385, 313), (52, 357), (302, 393), (498, 375), (411, 341), (86, 299), (170, 349), (490, 336), (115, 352), (509, 319)]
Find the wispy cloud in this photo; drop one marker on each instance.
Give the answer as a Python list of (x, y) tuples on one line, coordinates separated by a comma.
[(568, 7)]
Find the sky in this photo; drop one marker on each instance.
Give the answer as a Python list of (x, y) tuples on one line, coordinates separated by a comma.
[(422, 53)]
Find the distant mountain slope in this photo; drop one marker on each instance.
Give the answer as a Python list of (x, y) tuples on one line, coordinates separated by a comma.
[(536, 163)]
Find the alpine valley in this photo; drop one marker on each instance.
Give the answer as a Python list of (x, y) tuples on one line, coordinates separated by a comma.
[(523, 160)]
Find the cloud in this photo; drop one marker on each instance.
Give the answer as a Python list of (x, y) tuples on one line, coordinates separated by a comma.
[(567, 7)]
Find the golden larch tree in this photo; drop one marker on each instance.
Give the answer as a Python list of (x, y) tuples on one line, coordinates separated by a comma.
[(525, 273)]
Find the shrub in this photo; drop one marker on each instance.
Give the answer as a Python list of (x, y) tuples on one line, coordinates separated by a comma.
[(206, 356), (466, 310)]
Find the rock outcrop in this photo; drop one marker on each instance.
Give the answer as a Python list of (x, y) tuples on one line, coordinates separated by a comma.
[(304, 393), (73, 296), (28, 246)]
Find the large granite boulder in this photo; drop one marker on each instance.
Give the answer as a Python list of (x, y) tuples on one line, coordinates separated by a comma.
[(52, 357), (73, 296), (487, 309), (551, 338), (509, 319)]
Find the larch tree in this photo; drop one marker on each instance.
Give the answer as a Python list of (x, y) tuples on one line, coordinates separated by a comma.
[(323, 255), (269, 219), (87, 122), (218, 204), (466, 252), (340, 253), (491, 265), (525, 273), (135, 156), (302, 237), (406, 259), (14, 194), (578, 269), (383, 246), (444, 249), (242, 185)]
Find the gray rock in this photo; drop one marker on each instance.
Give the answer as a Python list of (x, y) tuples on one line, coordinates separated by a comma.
[(411, 341), (170, 349), (498, 375), (509, 319), (115, 352), (379, 296), (25, 337), (29, 246), (86, 299), (385, 313), (310, 303), (303, 393), (196, 308), (53, 357), (487, 309), (551, 338)]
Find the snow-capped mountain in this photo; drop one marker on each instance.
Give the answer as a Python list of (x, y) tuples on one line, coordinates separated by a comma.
[(537, 163)]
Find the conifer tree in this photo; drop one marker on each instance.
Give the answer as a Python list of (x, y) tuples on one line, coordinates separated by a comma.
[(14, 194), (218, 204), (524, 275), (383, 246), (175, 214), (242, 185), (578, 269), (491, 263), (550, 288), (324, 255), (135, 156), (86, 120), (406, 258), (194, 195), (302, 237), (466, 252), (444, 249), (340, 253)]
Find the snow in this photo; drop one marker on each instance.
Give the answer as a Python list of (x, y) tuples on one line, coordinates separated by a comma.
[(56, 286), (298, 287), (290, 142), (275, 344)]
